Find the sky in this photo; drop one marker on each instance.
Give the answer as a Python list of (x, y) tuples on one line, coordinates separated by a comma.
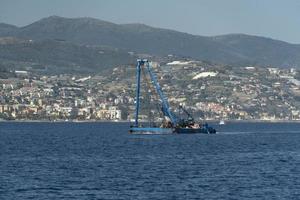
[(277, 19)]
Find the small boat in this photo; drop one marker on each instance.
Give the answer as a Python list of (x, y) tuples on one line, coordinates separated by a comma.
[(171, 122), (222, 122)]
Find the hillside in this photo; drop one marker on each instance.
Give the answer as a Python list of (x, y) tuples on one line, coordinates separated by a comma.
[(7, 30), (263, 51), (237, 49), (59, 56)]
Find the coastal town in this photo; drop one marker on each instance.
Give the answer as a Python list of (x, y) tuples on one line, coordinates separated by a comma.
[(209, 91)]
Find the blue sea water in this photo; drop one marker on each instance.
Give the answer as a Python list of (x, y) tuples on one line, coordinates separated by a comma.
[(103, 161)]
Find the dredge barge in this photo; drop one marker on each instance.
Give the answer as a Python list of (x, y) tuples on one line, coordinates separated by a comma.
[(171, 123)]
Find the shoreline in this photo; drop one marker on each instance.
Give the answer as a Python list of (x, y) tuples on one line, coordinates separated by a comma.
[(63, 121), (128, 121)]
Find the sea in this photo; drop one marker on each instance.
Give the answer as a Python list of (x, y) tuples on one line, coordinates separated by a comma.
[(103, 161)]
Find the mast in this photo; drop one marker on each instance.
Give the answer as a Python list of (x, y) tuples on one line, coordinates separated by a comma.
[(138, 87)]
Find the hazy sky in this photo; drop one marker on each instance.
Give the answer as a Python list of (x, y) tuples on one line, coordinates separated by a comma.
[(279, 19)]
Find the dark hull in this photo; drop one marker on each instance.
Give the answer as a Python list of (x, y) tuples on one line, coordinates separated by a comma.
[(153, 130)]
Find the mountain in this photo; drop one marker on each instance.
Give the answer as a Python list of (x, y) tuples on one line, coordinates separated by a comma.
[(237, 49), (132, 37)]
